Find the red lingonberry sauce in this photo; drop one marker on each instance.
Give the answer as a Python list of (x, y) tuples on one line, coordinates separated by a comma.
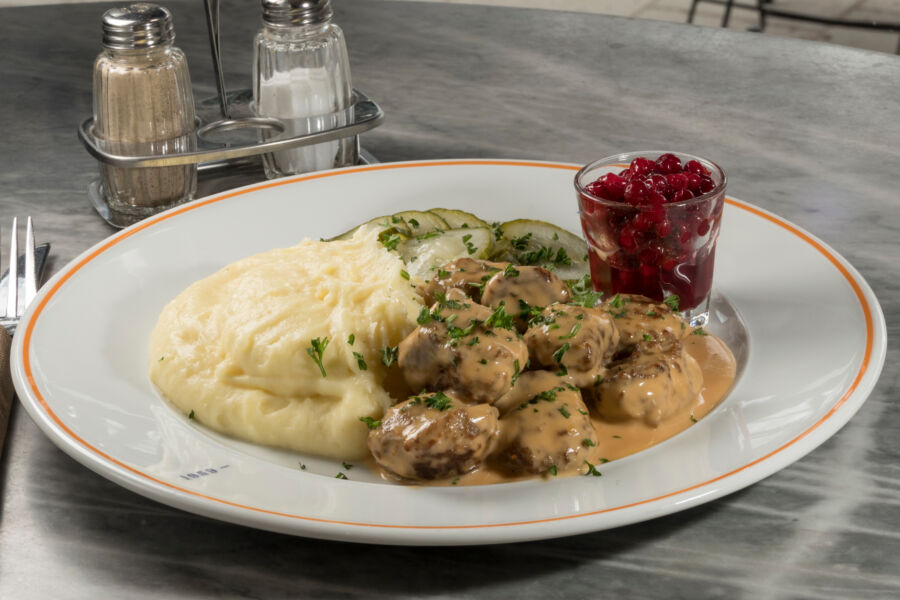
[(645, 239)]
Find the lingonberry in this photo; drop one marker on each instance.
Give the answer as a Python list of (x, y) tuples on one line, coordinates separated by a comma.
[(668, 163), (693, 166)]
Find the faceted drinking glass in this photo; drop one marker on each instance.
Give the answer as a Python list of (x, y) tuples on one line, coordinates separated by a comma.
[(645, 246)]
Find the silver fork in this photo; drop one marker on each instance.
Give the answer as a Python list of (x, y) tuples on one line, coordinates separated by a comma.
[(15, 306), (13, 310)]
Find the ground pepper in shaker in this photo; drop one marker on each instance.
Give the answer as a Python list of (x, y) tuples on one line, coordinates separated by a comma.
[(143, 105), (301, 76)]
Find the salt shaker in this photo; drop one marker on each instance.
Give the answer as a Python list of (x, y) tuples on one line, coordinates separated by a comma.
[(301, 76), (143, 105)]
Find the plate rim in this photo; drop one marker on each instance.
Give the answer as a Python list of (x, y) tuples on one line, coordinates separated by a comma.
[(199, 503)]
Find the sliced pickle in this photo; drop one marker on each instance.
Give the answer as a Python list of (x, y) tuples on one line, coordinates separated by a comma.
[(527, 242), (419, 222), (387, 223), (459, 219), (423, 254)]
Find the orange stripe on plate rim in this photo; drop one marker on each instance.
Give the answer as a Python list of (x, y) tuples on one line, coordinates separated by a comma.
[(26, 352)]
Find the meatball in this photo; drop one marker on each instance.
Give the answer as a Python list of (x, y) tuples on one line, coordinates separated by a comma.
[(576, 338), (638, 317), (458, 350), (536, 286), (434, 436), (549, 432), (466, 274), (651, 384)]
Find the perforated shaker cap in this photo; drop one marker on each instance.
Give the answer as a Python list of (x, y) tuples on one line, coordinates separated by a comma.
[(290, 13), (141, 25)]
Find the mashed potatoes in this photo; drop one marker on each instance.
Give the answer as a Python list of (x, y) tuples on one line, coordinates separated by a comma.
[(232, 348)]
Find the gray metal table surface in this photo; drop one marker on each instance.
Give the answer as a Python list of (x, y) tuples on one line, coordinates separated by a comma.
[(806, 130)]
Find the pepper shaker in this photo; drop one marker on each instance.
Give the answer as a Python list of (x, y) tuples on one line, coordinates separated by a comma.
[(301, 76), (143, 105)]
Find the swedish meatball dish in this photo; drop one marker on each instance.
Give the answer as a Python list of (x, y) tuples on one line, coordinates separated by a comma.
[(515, 370)]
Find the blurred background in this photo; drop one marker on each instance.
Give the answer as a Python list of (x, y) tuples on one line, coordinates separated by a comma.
[(710, 13)]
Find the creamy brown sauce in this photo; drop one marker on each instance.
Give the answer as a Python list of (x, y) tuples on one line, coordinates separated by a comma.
[(624, 438), (546, 389)]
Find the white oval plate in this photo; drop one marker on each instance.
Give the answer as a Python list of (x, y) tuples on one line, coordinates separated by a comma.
[(817, 345)]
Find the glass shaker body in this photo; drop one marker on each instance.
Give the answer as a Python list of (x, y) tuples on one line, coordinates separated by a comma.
[(301, 75), (144, 105)]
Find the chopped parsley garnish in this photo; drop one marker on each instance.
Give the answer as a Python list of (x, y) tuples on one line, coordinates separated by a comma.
[(451, 304), (598, 379), (470, 247), (455, 481), (424, 316), (532, 314), (451, 318), (672, 302), (651, 313), (555, 236), (510, 271), (558, 355), (370, 422), (473, 341), (592, 470), (572, 332), (360, 361), (516, 371), (351, 339), (191, 416), (389, 355), (302, 467), (564, 411), (699, 331), (439, 400), (553, 470), (647, 337), (520, 243), (442, 274), (483, 361), (499, 318), (428, 236), (162, 358), (391, 241), (583, 292), (456, 333), (347, 466), (544, 256), (340, 476), (316, 350), (693, 418), (404, 274), (547, 395), (617, 301), (588, 443), (413, 222)]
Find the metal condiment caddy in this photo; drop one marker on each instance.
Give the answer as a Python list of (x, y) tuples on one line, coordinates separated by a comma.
[(230, 138)]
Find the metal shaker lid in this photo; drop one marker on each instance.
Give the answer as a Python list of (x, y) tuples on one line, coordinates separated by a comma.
[(141, 25), (289, 13)]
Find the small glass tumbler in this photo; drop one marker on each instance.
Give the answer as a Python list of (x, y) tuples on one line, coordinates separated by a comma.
[(645, 239)]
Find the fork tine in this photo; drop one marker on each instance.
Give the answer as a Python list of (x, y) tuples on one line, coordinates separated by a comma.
[(30, 272), (12, 298)]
